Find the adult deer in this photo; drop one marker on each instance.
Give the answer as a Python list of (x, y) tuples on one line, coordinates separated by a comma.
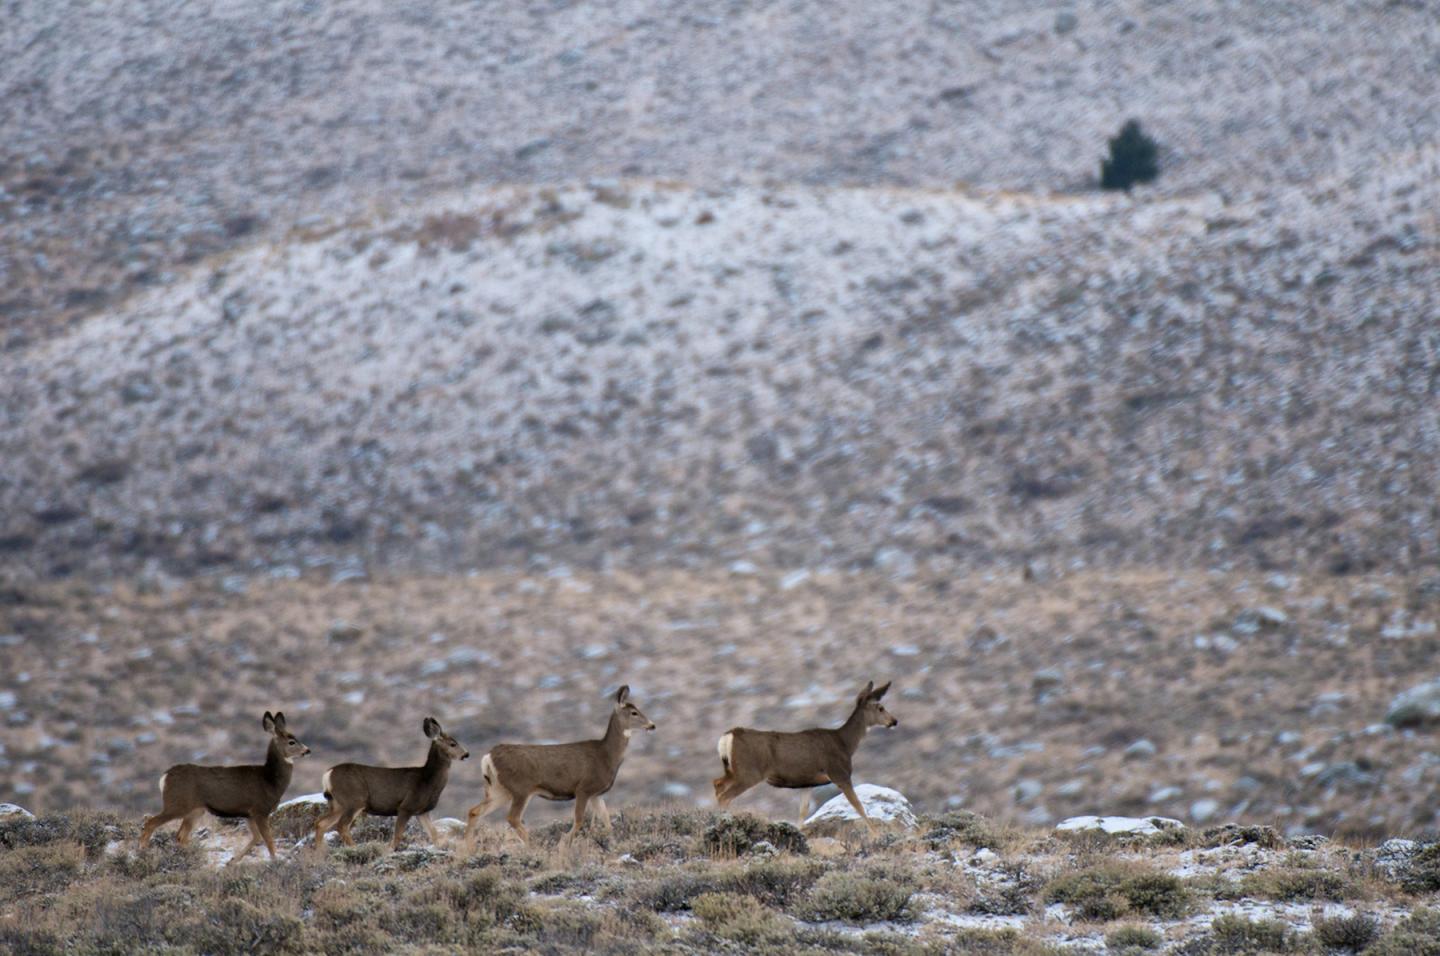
[(250, 792), (801, 759), (399, 792), (583, 771)]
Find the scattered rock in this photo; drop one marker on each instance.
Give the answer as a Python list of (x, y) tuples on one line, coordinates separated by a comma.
[(1416, 707), (343, 632), (1140, 750), (1234, 834), (1203, 809), (1141, 826), (11, 811)]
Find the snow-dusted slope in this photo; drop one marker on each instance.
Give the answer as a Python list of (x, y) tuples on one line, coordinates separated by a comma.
[(647, 372)]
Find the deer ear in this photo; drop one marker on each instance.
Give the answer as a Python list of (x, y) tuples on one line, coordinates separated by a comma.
[(268, 722), (879, 692), (279, 722), (431, 727), (869, 686), (623, 694)]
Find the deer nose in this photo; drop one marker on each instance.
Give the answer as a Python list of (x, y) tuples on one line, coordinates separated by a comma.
[(305, 752), (465, 755), (650, 726)]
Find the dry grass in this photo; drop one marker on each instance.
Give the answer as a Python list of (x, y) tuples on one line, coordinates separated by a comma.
[(69, 884)]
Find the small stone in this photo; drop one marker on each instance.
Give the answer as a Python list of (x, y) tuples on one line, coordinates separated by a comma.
[(1202, 810), (1141, 749), (1065, 22)]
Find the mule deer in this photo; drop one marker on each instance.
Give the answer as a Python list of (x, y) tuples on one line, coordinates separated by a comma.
[(399, 792), (801, 759), (188, 790), (583, 772)]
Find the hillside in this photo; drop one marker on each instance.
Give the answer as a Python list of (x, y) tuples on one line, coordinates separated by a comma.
[(648, 375)]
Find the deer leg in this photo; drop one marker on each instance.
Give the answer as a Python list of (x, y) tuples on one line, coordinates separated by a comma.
[(804, 805), (323, 825), (187, 823), (264, 823), (345, 823), (582, 801), (429, 829), (401, 818), (516, 817), (254, 839), (597, 806), (472, 819), (729, 791), (844, 784), (151, 823)]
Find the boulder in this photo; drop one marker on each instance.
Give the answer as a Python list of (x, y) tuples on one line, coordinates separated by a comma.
[(1140, 826), (884, 806), (10, 811), (1416, 707)]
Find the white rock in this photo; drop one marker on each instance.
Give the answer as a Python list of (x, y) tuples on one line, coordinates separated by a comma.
[(314, 799), (1139, 825), (1416, 706), (9, 810), (1202, 810), (882, 805)]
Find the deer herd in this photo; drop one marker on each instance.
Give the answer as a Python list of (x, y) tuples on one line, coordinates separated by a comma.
[(583, 771)]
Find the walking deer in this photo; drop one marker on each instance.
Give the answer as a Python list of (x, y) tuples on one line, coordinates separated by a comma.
[(399, 792), (801, 759), (250, 792), (583, 772)]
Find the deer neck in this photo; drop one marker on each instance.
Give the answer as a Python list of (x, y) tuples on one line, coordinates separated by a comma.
[(277, 768), (616, 739), (853, 730), (437, 765)]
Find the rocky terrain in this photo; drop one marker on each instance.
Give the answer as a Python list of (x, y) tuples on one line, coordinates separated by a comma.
[(666, 880), (1205, 697), (369, 360)]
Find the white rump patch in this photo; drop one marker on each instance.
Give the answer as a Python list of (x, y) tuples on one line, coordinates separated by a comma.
[(725, 746), (325, 781), (487, 770), (162, 782)]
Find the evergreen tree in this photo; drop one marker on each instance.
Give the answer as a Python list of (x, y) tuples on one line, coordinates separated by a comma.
[(1134, 158)]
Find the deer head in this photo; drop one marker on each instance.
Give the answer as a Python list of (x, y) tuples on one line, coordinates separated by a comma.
[(869, 703), (631, 718), (447, 744), (290, 745)]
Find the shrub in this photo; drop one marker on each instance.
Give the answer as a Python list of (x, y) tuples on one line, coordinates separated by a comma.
[(1133, 937), (1111, 891), (857, 898), (1236, 934), (93, 831), (741, 918), (1134, 158), (961, 826), (1416, 935), (735, 835), (236, 926), (45, 868), (1347, 932), (1422, 873), (1297, 884), (1009, 896)]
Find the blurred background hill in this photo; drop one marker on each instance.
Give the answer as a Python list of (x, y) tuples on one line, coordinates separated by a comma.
[(303, 304)]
